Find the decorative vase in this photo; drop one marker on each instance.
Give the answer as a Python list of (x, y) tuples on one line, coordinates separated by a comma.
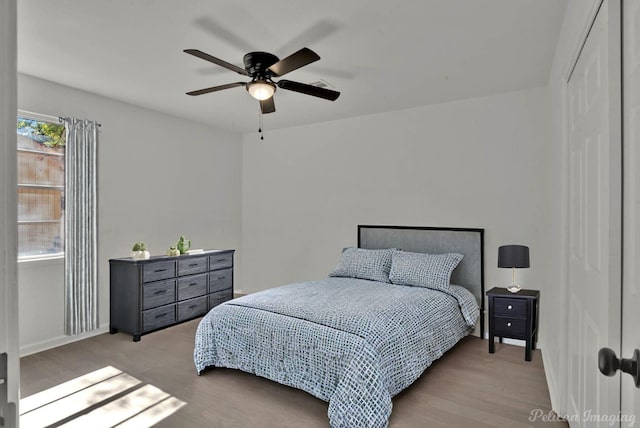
[(140, 255), (173, 251), (183, 245)]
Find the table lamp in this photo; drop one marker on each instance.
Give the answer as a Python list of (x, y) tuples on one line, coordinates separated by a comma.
[(514, 257)]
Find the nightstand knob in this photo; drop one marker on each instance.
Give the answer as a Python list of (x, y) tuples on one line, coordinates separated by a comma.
[(509, 307), (508, 324)]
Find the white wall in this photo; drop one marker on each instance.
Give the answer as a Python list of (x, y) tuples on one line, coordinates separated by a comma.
[(485, 162), (158, 177), (578, 15)]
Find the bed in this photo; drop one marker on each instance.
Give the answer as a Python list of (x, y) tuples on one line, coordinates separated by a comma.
[(353, 342)]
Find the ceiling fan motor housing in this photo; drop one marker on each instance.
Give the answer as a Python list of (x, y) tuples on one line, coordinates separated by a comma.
[(256, 63)]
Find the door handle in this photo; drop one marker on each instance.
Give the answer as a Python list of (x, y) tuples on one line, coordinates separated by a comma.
[(8, 415), (609, 364)]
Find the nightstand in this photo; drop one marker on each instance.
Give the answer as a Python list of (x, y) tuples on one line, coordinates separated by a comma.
[(515, 316)]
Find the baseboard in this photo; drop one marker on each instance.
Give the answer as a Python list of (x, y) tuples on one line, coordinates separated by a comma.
[(552, 384), (54, 342), (516, 342)]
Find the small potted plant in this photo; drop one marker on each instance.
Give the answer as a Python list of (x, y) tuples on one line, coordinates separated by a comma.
[(183, 245), (139, 251)]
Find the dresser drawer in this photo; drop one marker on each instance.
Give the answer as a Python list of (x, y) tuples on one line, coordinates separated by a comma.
[(158, 293), (220, 280), (517, 307), (158, 270), (220, 297), (220, 261), (192, 308), (158, 317), (192, 286), (510, 327), (192, 265)]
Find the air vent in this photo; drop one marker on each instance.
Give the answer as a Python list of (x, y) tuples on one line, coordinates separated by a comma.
[(322, 84)]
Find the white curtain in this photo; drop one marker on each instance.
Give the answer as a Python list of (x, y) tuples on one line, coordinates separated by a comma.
[(80, 229)]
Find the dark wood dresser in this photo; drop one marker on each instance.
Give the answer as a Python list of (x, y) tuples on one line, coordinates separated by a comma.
[(515, 316), (147, 295)]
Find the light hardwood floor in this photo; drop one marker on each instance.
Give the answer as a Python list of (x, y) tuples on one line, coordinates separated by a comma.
[(467, 387)]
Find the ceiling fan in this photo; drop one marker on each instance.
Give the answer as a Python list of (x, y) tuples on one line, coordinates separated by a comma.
[(262, 67)]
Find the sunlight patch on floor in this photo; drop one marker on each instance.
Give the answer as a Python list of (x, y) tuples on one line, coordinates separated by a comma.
[(103, 398), (57, 392), (154, 414)]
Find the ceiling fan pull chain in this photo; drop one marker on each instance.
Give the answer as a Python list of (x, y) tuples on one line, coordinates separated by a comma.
[(260, 125)]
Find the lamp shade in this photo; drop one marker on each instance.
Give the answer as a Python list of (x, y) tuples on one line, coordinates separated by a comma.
[(513, 256), (261, 89)]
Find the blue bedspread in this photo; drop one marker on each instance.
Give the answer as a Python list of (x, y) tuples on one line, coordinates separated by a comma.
[(351, 342)]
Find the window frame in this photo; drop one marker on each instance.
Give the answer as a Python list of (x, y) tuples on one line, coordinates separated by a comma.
[(51, 256)]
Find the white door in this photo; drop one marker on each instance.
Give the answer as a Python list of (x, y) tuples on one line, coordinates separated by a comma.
[(631, 220), (594, 198), (9, 372)]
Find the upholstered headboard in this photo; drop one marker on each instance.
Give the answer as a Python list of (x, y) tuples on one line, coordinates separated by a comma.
[(436, 240)]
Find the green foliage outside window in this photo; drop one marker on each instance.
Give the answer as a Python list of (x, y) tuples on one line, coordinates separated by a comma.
[(49, 134)]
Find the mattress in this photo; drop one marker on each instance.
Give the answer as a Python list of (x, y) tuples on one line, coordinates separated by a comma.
[(351, 342)]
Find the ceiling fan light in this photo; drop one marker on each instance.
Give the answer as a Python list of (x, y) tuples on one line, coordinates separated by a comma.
[(261, 89)]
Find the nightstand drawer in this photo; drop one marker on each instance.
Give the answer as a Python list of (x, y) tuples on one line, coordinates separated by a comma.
[(220, 280), (158, 294), (517, 307), (192, 265), (192, 308), (159, 317), (192, 286), (510, 327), (220, 261), (158, 270)]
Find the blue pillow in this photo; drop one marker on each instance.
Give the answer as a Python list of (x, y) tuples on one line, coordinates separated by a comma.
[(364, 264), (423, 270)]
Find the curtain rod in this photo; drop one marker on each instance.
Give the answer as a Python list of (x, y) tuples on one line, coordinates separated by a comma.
[(62, 119)]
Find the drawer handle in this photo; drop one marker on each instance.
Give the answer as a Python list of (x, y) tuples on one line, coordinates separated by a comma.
[(161, 315), (508, 324), (221, 277), (192, 284), (509, 307), (193, 264), (193, 306), (160, 270), (221, 260), (159, 292)]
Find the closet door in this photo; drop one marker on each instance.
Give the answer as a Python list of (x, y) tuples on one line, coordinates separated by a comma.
[(631, 207), (594, 208)]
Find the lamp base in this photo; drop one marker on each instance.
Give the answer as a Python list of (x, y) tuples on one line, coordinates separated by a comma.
[(514, 288)]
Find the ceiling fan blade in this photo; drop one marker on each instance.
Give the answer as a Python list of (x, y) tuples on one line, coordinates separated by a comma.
[(311, 36), (221, 32), (294, 61), (314, 91), (213, 59), (216, 88), (267, 106)]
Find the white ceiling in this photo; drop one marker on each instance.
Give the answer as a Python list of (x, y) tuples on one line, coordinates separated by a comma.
[(382, 55)]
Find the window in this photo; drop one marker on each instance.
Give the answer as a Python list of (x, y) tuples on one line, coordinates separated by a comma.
[(41, 146)]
